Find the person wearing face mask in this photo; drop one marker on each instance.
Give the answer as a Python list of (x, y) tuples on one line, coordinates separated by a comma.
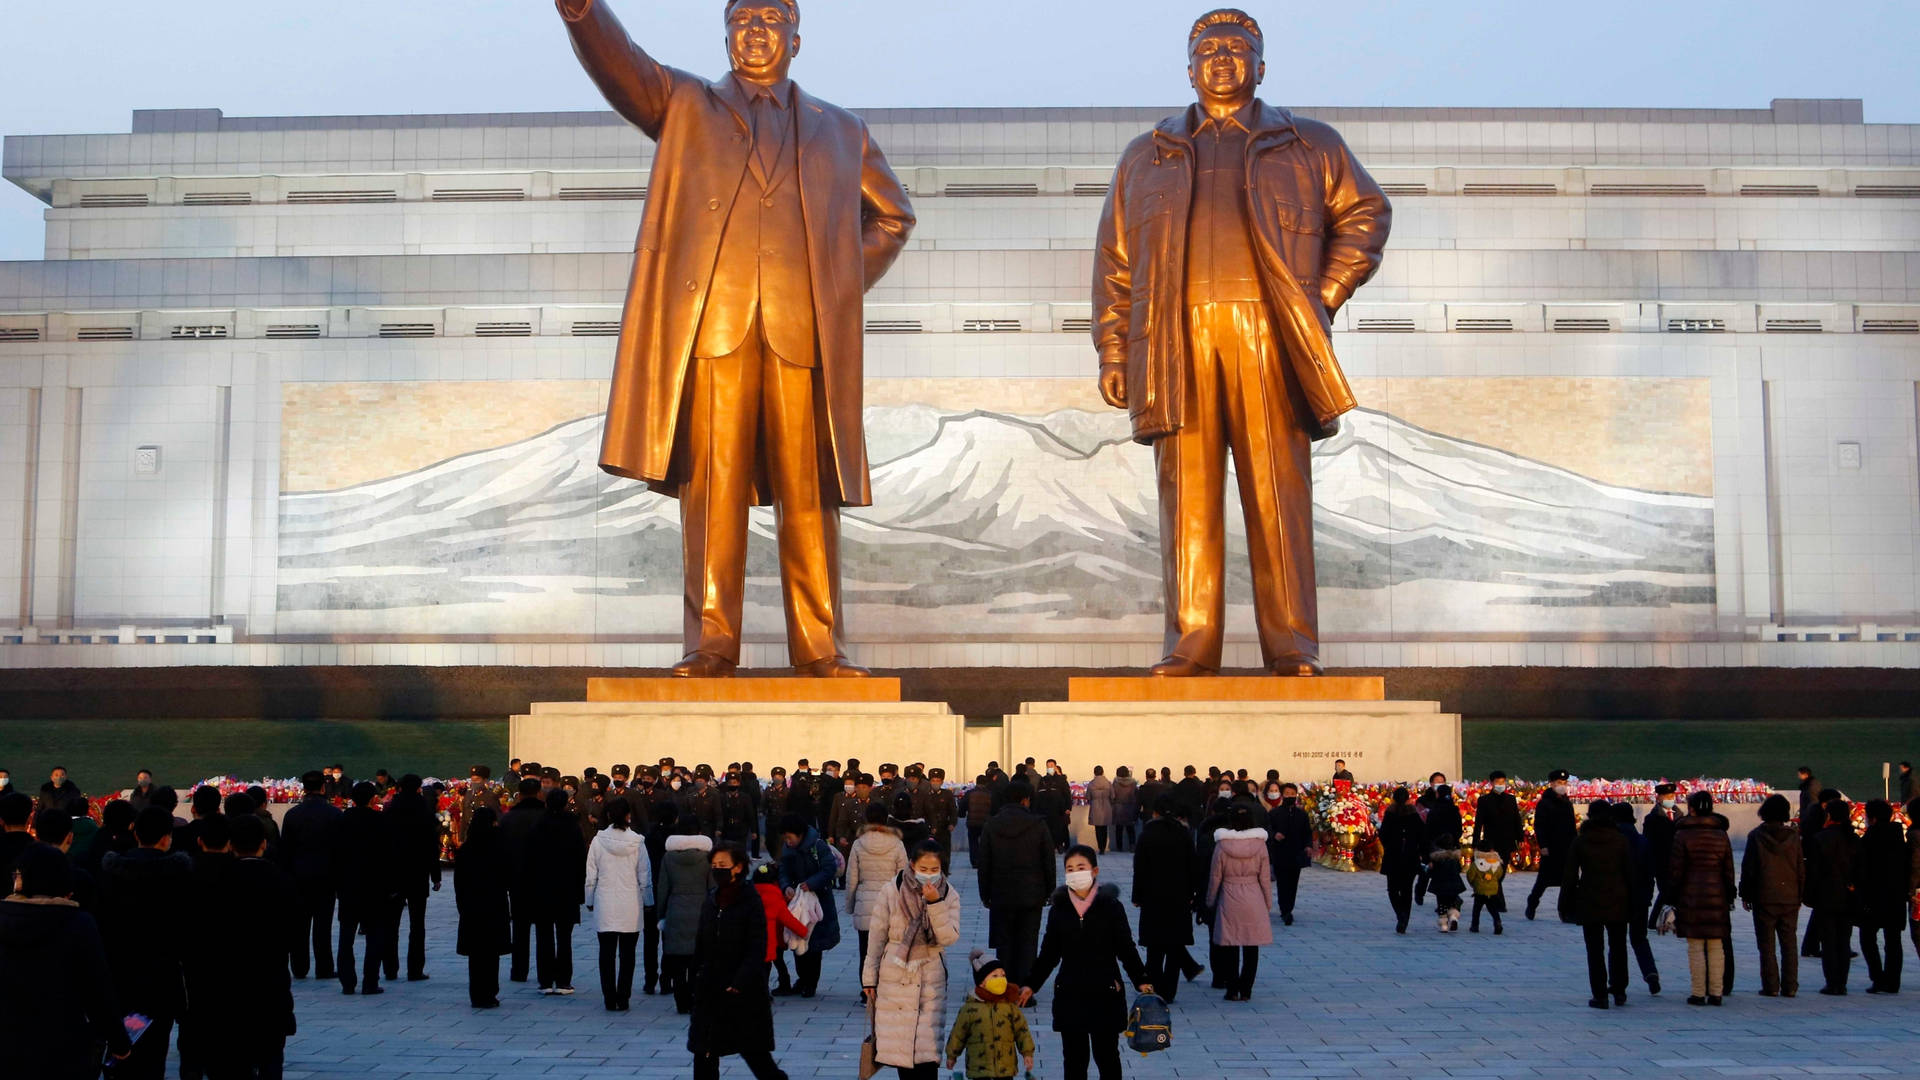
[(1100, 807), (850, 812), (1496, 819), (738, 822), (829, 789), (1553, 830), (904, 972), (732, 1012), (679, 893), (704, 802), (807, 865), (942, 814), (1659, 827), (1291, 832), (1053, 801), (991, 1029), (1089, 941), (142, 794)]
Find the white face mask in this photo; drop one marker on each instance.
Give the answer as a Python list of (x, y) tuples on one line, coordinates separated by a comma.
[(1666, 804), (1226, 792), (848, 789), (1273, 793), (1079, 880), (1500, 787), (675, 784), (928, 879), (1559, 789)]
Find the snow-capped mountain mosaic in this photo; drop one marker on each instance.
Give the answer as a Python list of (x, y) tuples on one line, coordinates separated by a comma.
[(991, 524)]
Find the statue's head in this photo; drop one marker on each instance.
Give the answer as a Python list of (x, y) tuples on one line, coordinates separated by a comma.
[(763, 37), (1224, 57)]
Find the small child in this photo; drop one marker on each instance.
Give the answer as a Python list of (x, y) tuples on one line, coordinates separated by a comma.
[(766, 882), (1487, 875), (991, 1028), (1447, 886)]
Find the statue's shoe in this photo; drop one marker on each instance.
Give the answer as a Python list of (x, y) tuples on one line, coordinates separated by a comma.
[(700, 665), (1179, 667), (832, 667), (1296, 665)]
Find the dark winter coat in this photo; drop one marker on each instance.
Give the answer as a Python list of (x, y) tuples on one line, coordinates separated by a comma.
[(1162, 885), (1089, 952), (1289, 824), (557, 863), (1554, 825), (416, 840), (57, 798), (309, 840), (680, 891), (1773, 869), (811, 864), (143, 906), (1884, 874), (979, 805), (1403, 841), (1444, 823), (1597, 885), (1126, 801), (248, 926), (1660, 825), (1015, 860), (366, 864), (1640, 852), (1833, 856), (480, 894), (1053, 801), (58, 997), (1701, 872), (516, 835), (942, 810), (1496, 822), (732, 1012)]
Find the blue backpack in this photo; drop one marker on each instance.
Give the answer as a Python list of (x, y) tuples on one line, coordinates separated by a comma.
[(1149, 1025)]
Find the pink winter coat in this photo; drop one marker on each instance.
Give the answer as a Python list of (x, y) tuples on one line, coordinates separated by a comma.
[(1238, 890)]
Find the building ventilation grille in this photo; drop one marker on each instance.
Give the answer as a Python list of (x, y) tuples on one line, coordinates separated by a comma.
[(479, 195), (1509, 189), (1890, 326), (217, 198), (991, 191), (990, 326), (407, 330), (1696, 326), (1888, 191), (19, 333), (195, 333), (1404, 189), (1385, 326), (1582, 326), (343, 196), (1794, 326), (1483, 326), (1076, 326), (1092, 191), (99, 200), (503, 329), (602, 194), (293, 330), (104, 333), (1780, 191), (893, 326), (597, 328), (1647, 189)]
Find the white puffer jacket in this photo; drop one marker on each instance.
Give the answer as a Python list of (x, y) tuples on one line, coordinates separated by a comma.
[(908, 971), (877, 856), (619, 881)]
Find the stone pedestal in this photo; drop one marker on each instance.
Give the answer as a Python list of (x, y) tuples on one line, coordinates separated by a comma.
[(1298, 726), (766, 721)]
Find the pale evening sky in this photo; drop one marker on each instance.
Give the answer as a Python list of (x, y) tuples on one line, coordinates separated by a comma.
[(78, 68)]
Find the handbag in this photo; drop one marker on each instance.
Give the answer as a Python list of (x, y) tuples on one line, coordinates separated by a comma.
[(868, 1066)]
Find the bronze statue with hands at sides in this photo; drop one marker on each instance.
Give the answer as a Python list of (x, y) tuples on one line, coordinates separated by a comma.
[(737, 379), (1232, 231)]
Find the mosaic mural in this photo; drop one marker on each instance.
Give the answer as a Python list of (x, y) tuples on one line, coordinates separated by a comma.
[(1003, 508)]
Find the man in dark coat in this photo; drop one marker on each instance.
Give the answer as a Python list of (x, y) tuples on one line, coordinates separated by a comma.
[(1596, 891), (1163, 890), (732, 1013), (480, 894), (416, 837), (1496, 819), (58, 791), (1809, 794), (1016, 867), (1832, 875), (308, 840), (57, 1003), (143, 907), (1773, 878), (1291, 834), (1884, 897), (942, 812), (704, 803), (1553, 831), (739, 817), (248, 922), (367, 877), (479, 792), (1639, 853), (1403, 847), (1191, 794), (16, 832), (516, 834), (556, 866), (1659, 825), (1053, 801), (979, 810)]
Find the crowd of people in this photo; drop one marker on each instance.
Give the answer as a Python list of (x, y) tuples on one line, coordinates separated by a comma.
[(702, 884)]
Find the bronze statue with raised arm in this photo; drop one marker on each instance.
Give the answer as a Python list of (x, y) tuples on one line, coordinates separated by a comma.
[(738, 375), (1231, 233)]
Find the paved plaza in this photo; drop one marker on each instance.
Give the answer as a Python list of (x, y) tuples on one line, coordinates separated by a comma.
[(1339, 995)]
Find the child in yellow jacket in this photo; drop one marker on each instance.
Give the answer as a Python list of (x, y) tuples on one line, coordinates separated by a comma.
[(991, 1027)]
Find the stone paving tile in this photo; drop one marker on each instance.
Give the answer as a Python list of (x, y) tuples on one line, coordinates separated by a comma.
[(1340, 995)]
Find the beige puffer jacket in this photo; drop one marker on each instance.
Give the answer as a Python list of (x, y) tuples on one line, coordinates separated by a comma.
[(876, 857), (908, 971)]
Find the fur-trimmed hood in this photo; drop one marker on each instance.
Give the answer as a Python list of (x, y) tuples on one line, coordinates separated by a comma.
[(696, 842), (1220, 835)]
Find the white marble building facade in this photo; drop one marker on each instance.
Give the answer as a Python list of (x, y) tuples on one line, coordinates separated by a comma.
[(1707, 321)]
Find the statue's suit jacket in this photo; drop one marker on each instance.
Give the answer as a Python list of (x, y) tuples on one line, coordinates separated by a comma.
[(857, 220)]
